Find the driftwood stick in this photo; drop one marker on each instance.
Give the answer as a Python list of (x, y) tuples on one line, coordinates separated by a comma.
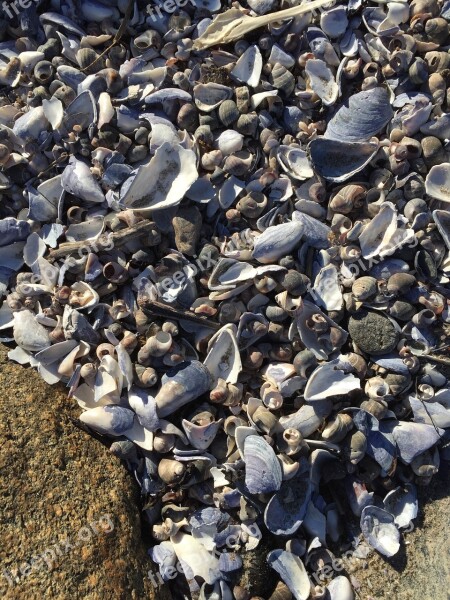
[(156, 309), (110, 240)]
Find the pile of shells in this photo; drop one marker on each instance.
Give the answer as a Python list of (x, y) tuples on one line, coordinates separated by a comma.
[(225, 229)]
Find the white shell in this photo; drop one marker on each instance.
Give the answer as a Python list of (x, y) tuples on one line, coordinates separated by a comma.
[(230, 141), (223, 360), (28, 333), (437, 182), (327, 380), (163, 181), (321, 81), (327, 291), (292, 571), (208, 96), (194, 558), (249, 66), (295, 162)]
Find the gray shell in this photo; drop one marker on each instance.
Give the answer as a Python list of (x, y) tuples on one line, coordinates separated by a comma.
[(286, 510), (262, 469), (181, 385), (337, 160), (362, 116)]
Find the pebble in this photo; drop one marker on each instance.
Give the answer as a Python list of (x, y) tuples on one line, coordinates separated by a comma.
[(187, 225), (372, 332)]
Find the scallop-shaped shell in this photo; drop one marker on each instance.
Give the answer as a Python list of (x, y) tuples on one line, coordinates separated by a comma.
[(292, 571), (338, 160), (321, 81), (361, 117), (223, 359), (262, 469), (248, 67), (327, 380), (437, 182), (379, 530), (163, 181), (208, 96)]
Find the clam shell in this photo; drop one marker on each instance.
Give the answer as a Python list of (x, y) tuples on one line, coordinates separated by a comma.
[(208, 96), (28, 333), (201, 436), (340, 588), (286, 510), (312, 340), (327, 380), (321, 81), (334, 22), (361, 117), (379, 530), (442, 220), (262, 469), (294, 162), (109, 420), (338, 160), (327, 291), (13, 230), (223, 359), (163, 181), (78, 180), (292, 571), (437, 182), (402, 504), (277, 241), (194, 557), (413, 439), (182, 384)]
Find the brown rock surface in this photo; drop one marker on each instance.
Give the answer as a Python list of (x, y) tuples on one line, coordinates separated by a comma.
[(57, 483)]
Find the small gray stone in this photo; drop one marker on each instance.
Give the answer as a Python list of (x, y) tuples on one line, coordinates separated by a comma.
[(372, 332), (187, 225)]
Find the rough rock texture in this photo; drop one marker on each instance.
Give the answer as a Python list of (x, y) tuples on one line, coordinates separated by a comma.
[(421, 570), (57, 484), (372, 332)]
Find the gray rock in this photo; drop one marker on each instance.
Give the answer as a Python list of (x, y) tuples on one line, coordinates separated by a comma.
[(372, 332)]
